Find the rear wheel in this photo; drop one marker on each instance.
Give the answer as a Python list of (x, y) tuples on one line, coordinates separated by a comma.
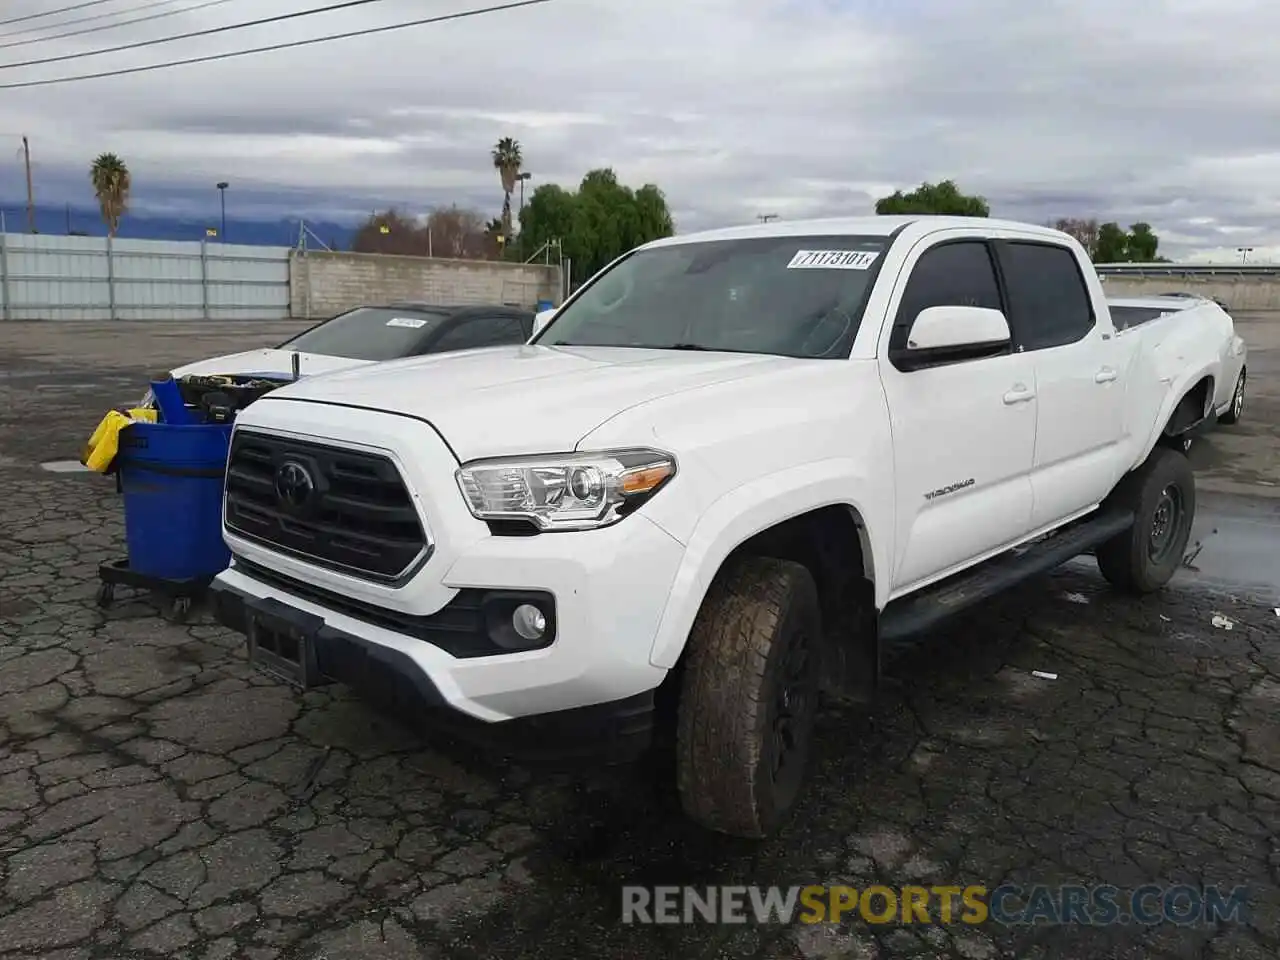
[(1162, 495), (1237, 402), (749, 697)]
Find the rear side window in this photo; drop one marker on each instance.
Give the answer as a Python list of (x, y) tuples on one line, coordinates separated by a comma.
[(1049, 304), (958, 274)]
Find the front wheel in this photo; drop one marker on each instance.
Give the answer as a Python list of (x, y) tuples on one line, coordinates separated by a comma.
[(749, 697), (1162, 495), (1237, 403)]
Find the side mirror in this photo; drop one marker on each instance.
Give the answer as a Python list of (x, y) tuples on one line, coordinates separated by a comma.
[(951, 334), (541, 320)]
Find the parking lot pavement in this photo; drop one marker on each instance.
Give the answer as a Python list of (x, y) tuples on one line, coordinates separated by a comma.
[(158, 798)]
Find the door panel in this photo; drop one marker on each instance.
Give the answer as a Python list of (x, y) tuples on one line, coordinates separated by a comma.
[(1079, 379), (952, 428), (963, 432)]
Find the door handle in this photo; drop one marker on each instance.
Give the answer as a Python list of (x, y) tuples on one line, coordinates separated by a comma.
[(1019, 394), (1105, 375)]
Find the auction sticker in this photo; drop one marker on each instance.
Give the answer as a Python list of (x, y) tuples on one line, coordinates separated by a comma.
[(414, 323), (832, 260)]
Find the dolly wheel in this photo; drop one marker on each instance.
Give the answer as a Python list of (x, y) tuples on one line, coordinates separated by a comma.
[(1162, 495), (180, 609), (106, 595)]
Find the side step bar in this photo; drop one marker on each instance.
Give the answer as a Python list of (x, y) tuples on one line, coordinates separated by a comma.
[(920, 611)]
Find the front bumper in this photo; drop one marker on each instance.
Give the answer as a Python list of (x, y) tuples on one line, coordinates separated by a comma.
[(589, 690), (618, 731)]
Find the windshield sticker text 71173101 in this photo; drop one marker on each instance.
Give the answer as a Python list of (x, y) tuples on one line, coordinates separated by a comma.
[(832, 260)]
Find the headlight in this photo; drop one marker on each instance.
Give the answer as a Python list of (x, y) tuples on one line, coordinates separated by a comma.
[(571, 491)]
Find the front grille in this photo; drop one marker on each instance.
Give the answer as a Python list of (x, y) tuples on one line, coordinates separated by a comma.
[(343, 509)]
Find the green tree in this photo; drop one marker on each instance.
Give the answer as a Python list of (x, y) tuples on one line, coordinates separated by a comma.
[(1139, 244), (111, 185), (942, 199), (598, 222), (507, 160), (1113, 244), (1143, 244)]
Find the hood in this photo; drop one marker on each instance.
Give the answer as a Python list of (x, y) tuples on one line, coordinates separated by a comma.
[(526, 399), (268, 363)]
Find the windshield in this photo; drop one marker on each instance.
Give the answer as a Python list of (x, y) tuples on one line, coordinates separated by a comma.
[(369, 333), (790, 296)]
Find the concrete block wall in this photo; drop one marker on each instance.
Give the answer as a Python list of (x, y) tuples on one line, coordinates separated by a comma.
[(1245, 293), (324, 283)]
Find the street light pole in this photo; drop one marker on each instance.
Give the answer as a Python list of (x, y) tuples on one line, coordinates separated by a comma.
[(1244, 253), (222, 195)]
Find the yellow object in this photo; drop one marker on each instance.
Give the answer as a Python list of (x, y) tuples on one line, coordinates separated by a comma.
[(104, 443)]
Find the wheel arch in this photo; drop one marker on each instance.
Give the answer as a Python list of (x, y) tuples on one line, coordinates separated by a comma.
[(1185, 407), (743, 522)]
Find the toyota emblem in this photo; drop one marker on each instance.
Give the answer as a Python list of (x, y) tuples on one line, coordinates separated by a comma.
[(293, 483)]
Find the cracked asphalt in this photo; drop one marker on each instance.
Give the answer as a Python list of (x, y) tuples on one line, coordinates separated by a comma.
[(160, 799)]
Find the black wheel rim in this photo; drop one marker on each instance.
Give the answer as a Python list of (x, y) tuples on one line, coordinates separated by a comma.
[(793, 706), (1166, 523)]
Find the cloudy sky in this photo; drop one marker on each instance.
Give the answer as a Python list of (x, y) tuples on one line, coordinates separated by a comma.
[(1160, 110)]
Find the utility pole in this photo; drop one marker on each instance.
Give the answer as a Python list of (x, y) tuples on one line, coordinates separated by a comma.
[(31, 200)]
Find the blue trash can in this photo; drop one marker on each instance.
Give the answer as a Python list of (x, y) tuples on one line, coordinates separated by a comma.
[(171, 476)]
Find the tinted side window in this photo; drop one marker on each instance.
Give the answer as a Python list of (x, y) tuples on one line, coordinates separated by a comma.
[(1049, 304), (951, 275)]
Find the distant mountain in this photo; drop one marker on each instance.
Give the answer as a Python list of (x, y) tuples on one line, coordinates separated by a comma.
[(88, 222)]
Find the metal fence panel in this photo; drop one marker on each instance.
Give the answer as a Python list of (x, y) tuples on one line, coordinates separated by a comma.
[(1187, 269), (98, 278)]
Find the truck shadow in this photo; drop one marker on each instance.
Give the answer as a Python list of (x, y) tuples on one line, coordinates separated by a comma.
[(624, 826)]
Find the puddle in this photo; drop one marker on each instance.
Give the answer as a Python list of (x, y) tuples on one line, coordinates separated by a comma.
[(65, 466), (1238, 544)]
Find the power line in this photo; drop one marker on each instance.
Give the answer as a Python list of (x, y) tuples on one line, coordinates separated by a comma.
[(210, 31), (272, 48), (50, 13), (107, 26)]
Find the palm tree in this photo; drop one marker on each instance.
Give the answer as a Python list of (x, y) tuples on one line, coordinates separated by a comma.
[(507, 161), (111, 183)]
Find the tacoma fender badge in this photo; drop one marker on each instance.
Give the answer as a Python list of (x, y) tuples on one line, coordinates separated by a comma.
[(943, 491)]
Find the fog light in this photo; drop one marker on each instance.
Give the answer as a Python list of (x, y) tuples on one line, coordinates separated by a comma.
[(528, 621)]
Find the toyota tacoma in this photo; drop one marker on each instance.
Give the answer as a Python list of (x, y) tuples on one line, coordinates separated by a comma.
[(730, 470)]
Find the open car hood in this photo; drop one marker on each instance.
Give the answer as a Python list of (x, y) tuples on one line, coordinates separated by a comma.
[(268, 363)]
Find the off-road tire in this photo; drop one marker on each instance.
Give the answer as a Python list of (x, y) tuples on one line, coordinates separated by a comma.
[(1126, 560), (1236, 409), (757, 615)]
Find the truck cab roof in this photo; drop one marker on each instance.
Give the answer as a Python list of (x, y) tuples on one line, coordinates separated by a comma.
[(875, 226)]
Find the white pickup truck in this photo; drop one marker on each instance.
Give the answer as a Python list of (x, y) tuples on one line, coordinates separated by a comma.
[(731, 468)]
